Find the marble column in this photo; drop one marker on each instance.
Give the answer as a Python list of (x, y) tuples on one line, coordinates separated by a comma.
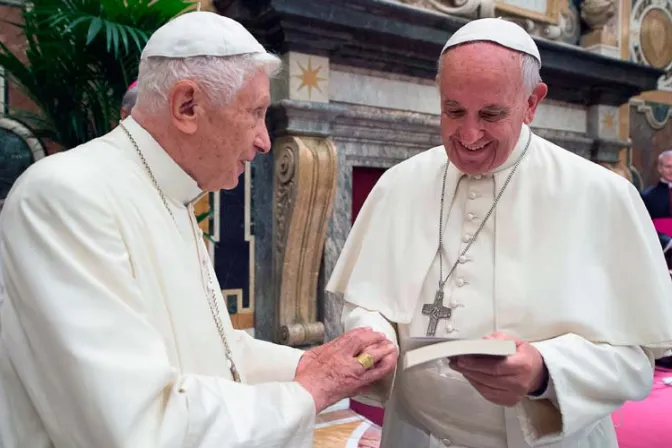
[(293, 198)]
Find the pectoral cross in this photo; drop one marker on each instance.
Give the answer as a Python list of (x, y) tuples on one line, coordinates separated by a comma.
[(436, 311)]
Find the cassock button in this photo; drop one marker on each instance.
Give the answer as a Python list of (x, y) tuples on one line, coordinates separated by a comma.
[(470, 216), (453, 303), (472, 195), (460, 282), (462, 259), (446, 442), (466, 238)]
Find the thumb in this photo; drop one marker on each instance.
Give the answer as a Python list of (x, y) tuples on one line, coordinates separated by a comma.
[(499, 335), (503, 336)]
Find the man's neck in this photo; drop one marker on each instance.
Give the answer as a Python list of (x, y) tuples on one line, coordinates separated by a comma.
[(165, 137)]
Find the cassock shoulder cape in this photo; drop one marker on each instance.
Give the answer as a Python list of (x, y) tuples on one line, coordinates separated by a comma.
[(575, 250)]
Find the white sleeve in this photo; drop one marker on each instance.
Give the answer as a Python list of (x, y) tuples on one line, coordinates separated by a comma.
[(96, 369), (265, 361), (587, 383)]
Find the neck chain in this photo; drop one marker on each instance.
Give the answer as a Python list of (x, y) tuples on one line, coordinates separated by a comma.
[(443, 281), (209, 287)]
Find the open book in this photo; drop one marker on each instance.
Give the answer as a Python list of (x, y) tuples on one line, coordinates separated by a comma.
[(426, 349)]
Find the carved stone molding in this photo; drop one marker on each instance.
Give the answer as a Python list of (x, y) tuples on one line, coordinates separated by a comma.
[(656, 121), (651, 37), (597, 13), (607, 151), (304, 188), (472, 9)]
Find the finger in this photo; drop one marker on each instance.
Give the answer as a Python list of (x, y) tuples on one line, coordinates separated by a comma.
[(363, 340), (380, 370), (492, 365), (499, 335), (348, 337), (496, 396), (509, 384), (377, 352), (380, 350)]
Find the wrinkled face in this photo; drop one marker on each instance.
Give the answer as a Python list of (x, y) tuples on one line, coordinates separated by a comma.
[(483, 105), (229, 136), (665, 168)]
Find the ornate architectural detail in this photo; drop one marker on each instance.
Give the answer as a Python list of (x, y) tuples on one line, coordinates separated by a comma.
[(596, 13), (473, 9), (564, 26), (305, 182), (567, 29), (657, 116), (651, 37), (560, 20)]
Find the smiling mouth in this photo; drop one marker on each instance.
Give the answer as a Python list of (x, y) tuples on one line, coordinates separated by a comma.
[(472, 148)]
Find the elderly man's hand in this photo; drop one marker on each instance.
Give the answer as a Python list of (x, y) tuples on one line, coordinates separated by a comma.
[(331, 372), (504, 380)]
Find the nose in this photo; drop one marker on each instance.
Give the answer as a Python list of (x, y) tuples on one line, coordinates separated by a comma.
[(263, 141), (469, 131)]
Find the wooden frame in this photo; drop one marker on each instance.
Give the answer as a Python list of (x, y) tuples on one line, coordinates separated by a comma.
[(551, 16)]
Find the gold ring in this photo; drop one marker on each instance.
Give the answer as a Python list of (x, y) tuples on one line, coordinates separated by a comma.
[(365, 360)]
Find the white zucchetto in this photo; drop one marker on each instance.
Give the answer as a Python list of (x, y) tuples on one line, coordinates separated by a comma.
[(201, 33), (498, 31)]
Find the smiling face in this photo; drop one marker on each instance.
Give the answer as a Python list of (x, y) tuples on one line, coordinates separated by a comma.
[(483, 105)]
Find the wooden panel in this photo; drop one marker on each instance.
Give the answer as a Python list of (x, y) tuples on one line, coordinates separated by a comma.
[(242, 321)]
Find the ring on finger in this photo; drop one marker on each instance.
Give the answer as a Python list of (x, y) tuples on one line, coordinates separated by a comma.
[(366, 360)]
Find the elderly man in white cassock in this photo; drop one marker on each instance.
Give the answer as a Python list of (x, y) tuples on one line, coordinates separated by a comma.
[(509, 236), (114, 332)]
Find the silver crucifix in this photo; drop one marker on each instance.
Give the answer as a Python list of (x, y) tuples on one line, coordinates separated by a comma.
[(436, 311)]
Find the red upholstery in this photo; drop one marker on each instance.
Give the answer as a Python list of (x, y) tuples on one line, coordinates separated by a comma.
[(647, 423), (663, 225), (373, 413)]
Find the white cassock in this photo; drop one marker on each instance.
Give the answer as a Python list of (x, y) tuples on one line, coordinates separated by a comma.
[(106, 336), (568, 261)]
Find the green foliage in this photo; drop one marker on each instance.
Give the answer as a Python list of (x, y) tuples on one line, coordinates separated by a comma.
[(81, 57), (202, 217)]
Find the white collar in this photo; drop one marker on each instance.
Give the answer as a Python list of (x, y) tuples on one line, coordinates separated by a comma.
[(525, 134), (175, 183)]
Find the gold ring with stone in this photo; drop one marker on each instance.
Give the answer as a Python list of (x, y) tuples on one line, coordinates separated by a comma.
[(365, 360)]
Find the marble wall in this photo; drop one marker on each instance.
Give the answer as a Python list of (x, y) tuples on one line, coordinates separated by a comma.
[(366, 137), (399, 92)]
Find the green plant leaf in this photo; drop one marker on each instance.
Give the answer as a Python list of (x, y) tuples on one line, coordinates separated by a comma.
[(94, 29), (80, 57)]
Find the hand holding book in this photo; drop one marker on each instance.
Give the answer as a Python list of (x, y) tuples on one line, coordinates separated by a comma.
[(505, 380)]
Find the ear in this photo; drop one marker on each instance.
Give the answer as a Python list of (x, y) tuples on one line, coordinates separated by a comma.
[(185, 100), (538, 94)]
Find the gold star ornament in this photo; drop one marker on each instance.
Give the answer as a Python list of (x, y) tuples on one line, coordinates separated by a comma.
[(310, 77)]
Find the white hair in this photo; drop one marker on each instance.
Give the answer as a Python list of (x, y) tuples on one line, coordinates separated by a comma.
[(529, 67), (129, 99), (220, 77), (663, 155)]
